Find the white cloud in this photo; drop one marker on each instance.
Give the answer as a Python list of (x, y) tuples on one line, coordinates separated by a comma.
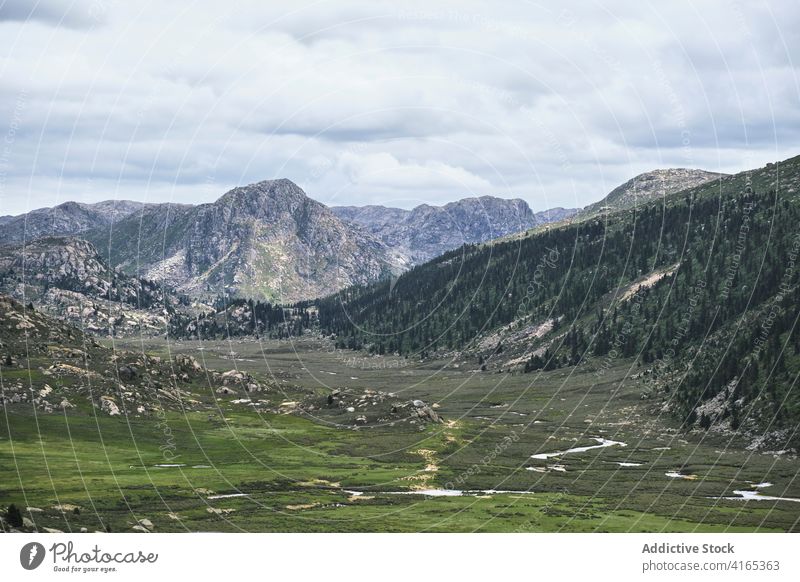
[(73, 14), (380, 177), (362, 102)]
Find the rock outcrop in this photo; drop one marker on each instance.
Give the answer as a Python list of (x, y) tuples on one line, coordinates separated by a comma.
[(650, 186)]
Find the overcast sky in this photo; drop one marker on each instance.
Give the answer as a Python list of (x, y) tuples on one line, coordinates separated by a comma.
[(365, 102)]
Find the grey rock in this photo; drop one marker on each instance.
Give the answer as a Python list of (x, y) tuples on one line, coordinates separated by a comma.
[(67, 219), (109, 406), (427, 231), (128, 373)]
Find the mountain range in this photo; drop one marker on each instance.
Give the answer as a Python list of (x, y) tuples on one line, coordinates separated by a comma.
[(269, 240), (426, 231)]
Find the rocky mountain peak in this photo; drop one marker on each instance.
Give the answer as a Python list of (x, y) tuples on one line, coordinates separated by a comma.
[(266, 240), (651, 186), (267, 198)]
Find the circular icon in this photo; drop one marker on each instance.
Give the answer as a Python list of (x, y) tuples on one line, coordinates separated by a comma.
[(31, 555)]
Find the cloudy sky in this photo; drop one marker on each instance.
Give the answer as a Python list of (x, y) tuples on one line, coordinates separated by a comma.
[(395, 103)]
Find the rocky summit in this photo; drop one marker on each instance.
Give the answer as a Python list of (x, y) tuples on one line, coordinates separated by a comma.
[(427, 231), (267, 240), (650, 186)]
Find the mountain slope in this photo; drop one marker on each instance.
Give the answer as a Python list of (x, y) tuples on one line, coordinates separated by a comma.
[(54, 367), (67, 219), (700, 289), (67, 278), (429, 231), (267, 240), (648, 187)]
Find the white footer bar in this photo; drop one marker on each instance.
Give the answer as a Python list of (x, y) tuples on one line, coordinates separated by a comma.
[(353, 557)]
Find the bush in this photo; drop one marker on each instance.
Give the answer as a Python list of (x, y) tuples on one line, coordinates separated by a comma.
[(14, 516), (705, 421)]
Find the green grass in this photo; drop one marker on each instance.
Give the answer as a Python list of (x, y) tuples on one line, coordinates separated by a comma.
[(296, 470)]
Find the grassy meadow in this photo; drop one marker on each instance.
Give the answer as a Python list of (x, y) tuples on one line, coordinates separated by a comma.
[(253, 466)]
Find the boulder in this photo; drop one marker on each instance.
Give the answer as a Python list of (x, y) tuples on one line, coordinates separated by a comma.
[(128, 373), (427, 413), (108, 406), (187, 364), (232, 376)]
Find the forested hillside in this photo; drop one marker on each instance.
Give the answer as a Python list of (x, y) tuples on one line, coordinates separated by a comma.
[(699, 288)]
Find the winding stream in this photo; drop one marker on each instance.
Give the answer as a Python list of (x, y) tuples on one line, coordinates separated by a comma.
[(603, 443), (444, 492), (745, 495)]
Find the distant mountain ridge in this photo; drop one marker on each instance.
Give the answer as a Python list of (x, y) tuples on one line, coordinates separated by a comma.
[(67, 219), (428, 231)]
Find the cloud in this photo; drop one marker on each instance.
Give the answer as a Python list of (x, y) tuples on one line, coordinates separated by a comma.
[(361, 102), (373, 178), (70, 14)]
